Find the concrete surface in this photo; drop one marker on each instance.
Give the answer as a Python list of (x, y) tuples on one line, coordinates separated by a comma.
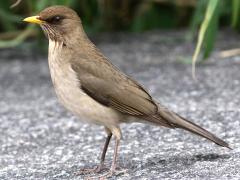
[(40, 140)]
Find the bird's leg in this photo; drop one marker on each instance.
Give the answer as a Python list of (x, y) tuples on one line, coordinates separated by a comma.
[(100, 167), (115, 155), (113, 170)]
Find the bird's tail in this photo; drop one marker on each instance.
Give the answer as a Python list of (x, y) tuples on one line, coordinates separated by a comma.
[(177, 121)]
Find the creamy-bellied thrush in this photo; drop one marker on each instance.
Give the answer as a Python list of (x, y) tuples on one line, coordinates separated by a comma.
[(88, 85)]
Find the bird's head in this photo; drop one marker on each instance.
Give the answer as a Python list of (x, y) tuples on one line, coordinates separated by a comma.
[(57, 22)]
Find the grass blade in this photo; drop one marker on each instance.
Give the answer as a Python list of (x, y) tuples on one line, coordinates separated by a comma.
[(235, 13), (197, 18), (209, 16)]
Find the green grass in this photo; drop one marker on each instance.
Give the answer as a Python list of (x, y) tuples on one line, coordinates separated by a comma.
[(128, 15), (207, 32)]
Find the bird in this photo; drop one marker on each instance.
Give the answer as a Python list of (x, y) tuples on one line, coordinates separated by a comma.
[(92, 88)]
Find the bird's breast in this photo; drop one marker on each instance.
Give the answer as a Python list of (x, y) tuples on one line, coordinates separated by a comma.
[(68, 89)]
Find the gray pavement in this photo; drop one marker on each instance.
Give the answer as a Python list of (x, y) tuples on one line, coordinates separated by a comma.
[(41, 140)]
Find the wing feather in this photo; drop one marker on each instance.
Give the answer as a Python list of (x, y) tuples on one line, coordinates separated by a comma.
[(110, 87)]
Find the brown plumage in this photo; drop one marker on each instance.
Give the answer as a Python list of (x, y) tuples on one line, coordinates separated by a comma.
[(88, 85)]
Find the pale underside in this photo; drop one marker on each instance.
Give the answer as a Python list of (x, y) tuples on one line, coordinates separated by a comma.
[(67, 87)]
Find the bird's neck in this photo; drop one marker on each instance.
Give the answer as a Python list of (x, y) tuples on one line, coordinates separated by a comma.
[(77, 37)]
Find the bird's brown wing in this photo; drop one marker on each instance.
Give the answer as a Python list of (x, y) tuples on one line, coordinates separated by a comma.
[(111, 88), (108, 86), (118, 91)]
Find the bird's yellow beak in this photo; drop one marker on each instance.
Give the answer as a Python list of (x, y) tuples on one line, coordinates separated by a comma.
[(34, 19)]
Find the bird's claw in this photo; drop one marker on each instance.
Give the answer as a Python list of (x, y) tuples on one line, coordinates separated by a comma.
[(94, 170), (112, 172)]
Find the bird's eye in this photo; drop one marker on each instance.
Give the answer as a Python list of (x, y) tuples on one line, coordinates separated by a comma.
[(55, 19)]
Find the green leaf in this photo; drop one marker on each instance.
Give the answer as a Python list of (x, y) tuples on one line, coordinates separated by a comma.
[(207, 32), (197, 17), (235, 13)]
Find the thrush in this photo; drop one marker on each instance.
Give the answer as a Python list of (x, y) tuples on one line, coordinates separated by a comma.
[(92, 88)]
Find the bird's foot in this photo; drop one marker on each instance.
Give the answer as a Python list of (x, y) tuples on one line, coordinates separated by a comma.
[(94, 170), (112, 172)]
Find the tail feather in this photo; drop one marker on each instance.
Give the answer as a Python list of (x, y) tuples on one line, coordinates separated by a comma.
[(179, 122)]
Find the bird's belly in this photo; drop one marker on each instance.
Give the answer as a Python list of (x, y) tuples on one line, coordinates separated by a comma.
[(85, 107), (67, 88)]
